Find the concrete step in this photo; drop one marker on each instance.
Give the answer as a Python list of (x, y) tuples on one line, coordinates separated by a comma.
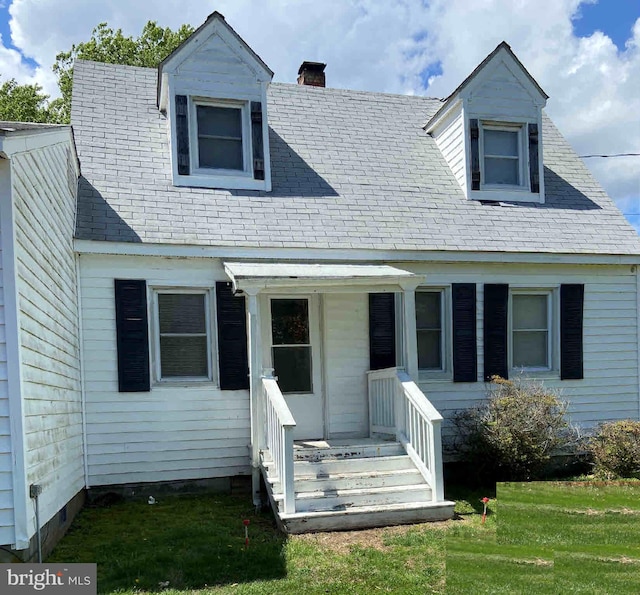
[(363, 517), (344, 499)]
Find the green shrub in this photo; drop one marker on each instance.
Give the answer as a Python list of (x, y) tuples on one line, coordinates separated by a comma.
[(512, 435), (616, 450)]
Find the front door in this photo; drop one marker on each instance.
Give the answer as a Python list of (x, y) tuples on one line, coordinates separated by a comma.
[(294, 333)]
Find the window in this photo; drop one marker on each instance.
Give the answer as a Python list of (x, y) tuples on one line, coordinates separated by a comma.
[(183, 335), (531, 336), (429, 329), (502, 155), (291, 343), (219, 137)]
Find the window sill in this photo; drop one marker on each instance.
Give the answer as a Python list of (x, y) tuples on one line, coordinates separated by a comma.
[(514, 194), (185, 383), (434, 376), (223, 182), (536, 374)]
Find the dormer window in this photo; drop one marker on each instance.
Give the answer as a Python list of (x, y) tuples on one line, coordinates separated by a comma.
[(502, 155), (220, 137)]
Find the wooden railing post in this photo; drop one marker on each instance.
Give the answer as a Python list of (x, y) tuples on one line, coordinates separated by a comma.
[(255, 388), (436, 462), (288, 471)]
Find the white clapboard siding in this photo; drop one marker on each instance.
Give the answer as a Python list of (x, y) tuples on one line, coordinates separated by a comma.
[(49, 332), (609, 390), (176, 431), (449, 137), (346, 353)]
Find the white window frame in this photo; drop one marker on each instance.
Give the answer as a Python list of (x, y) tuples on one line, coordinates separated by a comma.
[(523, 155), (247, 151), (157, 363), (552, 318), (445, 333)]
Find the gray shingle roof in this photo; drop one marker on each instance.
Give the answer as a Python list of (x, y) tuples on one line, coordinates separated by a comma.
[(349, 169)]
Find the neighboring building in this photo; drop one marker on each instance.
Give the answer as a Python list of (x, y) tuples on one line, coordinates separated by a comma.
[(228, 226)]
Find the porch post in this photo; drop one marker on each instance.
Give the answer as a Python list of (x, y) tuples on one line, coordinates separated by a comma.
[(255, 371), (409, 335)]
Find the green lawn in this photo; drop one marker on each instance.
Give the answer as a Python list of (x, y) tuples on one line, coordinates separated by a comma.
[(547, 538)]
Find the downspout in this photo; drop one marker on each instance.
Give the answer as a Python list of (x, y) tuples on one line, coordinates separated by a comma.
[(636, 269), (83, 396)]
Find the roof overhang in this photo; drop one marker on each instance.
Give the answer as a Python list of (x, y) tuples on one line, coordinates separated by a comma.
[(253, 277)]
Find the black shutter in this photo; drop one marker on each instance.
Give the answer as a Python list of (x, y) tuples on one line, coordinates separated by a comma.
[(475, 154), (534, 175), (465, 355), (571, 326), (258, 145), (182, 134), (382, 331), (132, 335), (232, 338), (496, 300)]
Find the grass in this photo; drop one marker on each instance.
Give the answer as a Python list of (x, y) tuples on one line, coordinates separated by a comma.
[(547, 538)]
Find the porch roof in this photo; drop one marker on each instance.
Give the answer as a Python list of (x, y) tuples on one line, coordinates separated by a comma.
[(291, 275)]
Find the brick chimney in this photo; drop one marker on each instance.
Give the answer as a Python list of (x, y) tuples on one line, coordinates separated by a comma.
[(312, 74)]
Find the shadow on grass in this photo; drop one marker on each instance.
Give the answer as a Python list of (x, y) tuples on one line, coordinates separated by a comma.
[(186, 542)]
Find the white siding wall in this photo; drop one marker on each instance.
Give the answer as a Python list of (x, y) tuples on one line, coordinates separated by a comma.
[(6, 477), (500, 94), (449, 137), (176, 431), (49, 337), (346, 352), (609, 389)]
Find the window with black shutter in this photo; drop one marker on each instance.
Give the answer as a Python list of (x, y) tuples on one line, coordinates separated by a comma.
[(496, 300), (571, 331), (465, 358), (132, 335)]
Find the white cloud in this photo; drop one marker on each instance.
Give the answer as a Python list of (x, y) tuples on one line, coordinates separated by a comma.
[(386, 46)]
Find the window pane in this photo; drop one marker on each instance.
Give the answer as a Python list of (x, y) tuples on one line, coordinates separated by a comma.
[(216, 153), (293, 368), (181, 313), (429, 352), (498, 170), (529, 311), (530, 349), (183, 356), (219, 121), (428, 310), (500, 142), (290, 322)]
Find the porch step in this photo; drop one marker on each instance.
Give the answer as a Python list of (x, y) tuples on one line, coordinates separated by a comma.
[(343, 499), (353, 485), (365, 517), (347, 479)]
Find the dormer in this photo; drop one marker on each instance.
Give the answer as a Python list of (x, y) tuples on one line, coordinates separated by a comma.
[(213, 89), (489, 131)]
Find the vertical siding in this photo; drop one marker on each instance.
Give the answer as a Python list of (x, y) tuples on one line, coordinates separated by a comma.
[(346, 352), (49, 341), (450, 140), (176, 431), (609, 390)]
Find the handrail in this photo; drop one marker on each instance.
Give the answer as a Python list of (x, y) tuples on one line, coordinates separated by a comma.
[(398, 406), (278, 438)]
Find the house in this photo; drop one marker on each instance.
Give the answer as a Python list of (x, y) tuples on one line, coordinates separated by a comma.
[(301, 285)]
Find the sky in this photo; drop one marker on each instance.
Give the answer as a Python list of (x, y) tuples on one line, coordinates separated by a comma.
[(584, 53)]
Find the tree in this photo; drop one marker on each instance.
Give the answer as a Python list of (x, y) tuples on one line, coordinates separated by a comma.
[(107, 45), (26, 103)]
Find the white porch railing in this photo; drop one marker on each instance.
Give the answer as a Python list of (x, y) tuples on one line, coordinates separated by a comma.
[(278, 437), (398, 406)]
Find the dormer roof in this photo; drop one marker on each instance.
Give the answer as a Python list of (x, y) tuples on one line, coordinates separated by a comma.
[(502, 53), (215, 25)]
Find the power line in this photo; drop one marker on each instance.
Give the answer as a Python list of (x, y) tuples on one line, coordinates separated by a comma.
[(614, 155)]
